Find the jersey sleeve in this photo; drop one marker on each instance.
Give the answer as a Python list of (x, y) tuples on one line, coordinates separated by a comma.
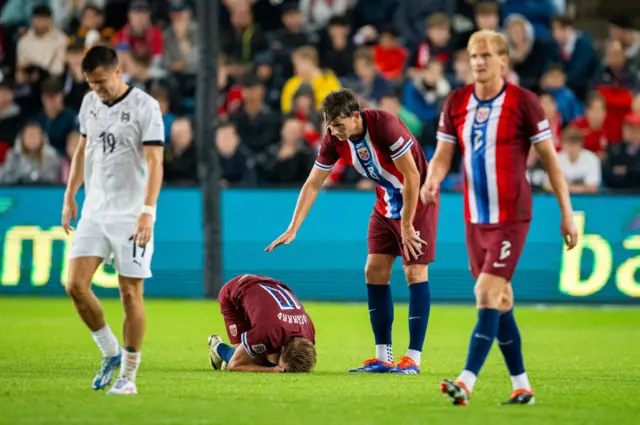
[(392, 131), (537, 128), (328, 154), (152, 125), (263, 340), (446, 130)]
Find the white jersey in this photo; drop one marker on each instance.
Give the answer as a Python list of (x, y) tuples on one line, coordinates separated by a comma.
[(115, 170)]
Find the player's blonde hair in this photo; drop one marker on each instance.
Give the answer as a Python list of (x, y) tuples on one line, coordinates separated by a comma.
[(299, 355), (496, 39)]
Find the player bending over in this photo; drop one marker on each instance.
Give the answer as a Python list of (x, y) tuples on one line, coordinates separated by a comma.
[(268, 328), (119, 160), (495, 124), (381, 148)]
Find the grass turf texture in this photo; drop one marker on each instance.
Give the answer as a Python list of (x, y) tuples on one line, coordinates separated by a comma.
[(582, 362)]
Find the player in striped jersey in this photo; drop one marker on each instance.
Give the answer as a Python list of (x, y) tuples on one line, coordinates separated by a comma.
[(495, 123), (381, 148)]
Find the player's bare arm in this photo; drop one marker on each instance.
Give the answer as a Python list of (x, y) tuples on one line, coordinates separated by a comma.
[(549, 159), (438, 168), (76, 178), (242, 362), (154, 155), (410, 191), (307, 197)]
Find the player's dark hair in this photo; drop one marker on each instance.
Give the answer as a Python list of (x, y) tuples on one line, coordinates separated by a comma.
[(341, 103), (299, 355), (99, 56)]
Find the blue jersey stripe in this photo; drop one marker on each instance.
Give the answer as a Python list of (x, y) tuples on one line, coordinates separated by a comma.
[(479, 143)]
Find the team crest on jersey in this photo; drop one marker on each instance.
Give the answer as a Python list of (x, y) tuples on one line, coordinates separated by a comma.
[(125, 116), (482, 114), (233, 330), (364, 154), (259, 348)]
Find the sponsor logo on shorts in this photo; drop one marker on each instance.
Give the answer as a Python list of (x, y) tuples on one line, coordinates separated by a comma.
[(364, 154), (233, 330), (259, 348)]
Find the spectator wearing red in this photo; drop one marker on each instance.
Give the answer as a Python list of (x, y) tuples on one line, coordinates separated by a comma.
[(437, 45), (140, 36), (229, 94), (594, 126), (389, 55), (304, 111)]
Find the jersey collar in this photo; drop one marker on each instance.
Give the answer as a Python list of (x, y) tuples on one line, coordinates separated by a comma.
[(120, 99)]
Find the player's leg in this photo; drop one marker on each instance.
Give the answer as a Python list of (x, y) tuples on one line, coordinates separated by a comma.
[(88, 250), (510, 344)]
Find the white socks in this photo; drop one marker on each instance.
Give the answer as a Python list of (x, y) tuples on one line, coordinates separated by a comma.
[(521, 382), (415, 356), (106, 341), (129, 366), (468, 378), (384, 353)]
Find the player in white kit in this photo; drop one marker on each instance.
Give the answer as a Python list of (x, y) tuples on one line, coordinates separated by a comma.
[(119, 160)]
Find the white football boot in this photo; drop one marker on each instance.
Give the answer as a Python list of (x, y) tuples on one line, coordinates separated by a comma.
[(123, 385), (214, 358)]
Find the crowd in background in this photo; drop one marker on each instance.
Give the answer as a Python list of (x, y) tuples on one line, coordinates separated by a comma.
[(278, 59)]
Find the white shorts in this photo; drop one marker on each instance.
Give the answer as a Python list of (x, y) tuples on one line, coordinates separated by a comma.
[(93, 239)]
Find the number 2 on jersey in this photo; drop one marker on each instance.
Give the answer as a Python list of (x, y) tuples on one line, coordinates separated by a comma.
[(285, 300), (108, 142)]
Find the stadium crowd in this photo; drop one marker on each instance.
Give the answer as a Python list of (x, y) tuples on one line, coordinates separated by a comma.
[(277, 61)]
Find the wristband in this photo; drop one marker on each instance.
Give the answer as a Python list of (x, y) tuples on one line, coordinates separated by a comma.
[(147, 209)]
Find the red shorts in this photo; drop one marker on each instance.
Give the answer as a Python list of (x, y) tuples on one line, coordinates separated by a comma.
[(235, 320), (495, 248), (385, 236)]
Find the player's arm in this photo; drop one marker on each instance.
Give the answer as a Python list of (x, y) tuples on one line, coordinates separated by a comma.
[(410, 186), (154, 155), (440, 164), (76, 172), (241, 361), (550, 163)]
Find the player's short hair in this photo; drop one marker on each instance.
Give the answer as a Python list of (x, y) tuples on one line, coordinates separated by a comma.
[(299, 355), (99, 56), (494, 38), (307, 52), (341, 103), (486, 8)]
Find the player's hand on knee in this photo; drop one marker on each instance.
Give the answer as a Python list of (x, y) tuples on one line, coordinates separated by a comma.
[(69, 212), (286, 238), (144, 229)]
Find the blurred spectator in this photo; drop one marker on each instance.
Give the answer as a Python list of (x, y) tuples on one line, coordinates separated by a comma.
[(389, 55), (291, 160), (91, 30), (577, 53), (530, 56), (229, 94), (621, 169), (426, 92), (338, 54), (140, 36), (551, 113), (307, 70), (74, 84), (272, 83), (594, 125), (538, 12), (305, 111), (391, 103), (411, 17), (616, 84), (72, 144), (180, 159), (32, 160), (317, 13), (141, 77), (635, 105), (43, 45), (10, 118), (245, 38), (554, 82), (180, 53), (486, 17), (284, 41), (622, 30), (18, 12), (54, 119), (580, 167), (161, 94), (368, 83), (235, 161), (372, 12), (462, 73), (256, 124), (437, 44)]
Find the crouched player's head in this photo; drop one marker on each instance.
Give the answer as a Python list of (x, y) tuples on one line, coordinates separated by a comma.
[(102, 71), (341, 113), (299, 355)]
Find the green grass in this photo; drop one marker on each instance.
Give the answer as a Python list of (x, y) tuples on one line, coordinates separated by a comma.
[(583, 364)]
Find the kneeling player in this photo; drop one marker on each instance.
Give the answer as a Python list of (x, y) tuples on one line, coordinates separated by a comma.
[(268, 328)]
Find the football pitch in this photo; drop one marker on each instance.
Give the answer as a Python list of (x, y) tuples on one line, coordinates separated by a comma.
[(583, 363)]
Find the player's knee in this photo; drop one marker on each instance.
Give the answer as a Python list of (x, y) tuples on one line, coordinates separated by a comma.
[(415, 273), (131, 295), (488, 292), (377, 273), (76, 290), (507, 301)]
